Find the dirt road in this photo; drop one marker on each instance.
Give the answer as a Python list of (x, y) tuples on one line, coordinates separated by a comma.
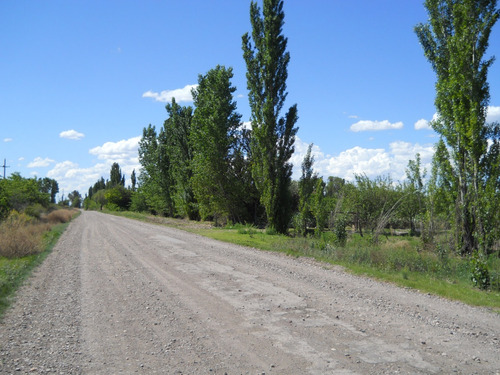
[(120, 296)]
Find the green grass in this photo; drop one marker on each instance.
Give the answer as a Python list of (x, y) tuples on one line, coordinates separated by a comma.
[(398, 260), (13, 271)]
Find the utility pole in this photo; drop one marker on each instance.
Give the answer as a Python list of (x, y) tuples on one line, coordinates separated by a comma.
[(4, 166)]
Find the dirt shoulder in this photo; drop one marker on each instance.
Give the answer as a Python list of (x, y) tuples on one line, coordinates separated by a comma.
[(121, 296)]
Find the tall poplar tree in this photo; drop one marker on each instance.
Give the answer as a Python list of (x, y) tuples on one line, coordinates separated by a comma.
[(273, 135), (175, 136), (155, 179), (115, 176), (214, 138), (455, 41)]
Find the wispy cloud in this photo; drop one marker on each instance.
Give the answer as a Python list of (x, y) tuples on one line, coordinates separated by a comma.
[(180, 95), (7, 139), (368, 125), (71, 134), (39, 162)]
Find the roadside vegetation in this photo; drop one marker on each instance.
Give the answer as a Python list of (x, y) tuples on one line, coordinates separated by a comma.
[(30, 224), (437, 230)]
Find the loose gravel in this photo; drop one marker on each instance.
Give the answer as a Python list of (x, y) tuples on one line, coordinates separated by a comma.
[(120, 296)]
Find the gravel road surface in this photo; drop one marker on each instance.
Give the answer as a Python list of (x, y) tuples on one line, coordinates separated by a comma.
[(120, 296)]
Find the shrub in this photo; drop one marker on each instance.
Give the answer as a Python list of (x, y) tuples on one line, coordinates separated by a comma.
[(60, 216), (340, 232), (35, 210), (479, 271)]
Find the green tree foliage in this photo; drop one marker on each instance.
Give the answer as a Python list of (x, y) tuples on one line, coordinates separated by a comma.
[(166, 160), (100, 199), (307, 182), (175, 136), (334, 193), (319, 208), (273, 135), (115, 176), (372, 200), (412, 205), (99, 185), (133, 180), (18, 193), (455, 41), (217, 150), (118, 198), (75, 198), (50, 186), (156, 183)]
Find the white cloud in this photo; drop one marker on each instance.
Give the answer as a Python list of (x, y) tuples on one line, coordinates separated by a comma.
[(367, 125), (493, 114), (180, 95), (246, 125), (71, 134), (359, 160), (422, 124), (39, 162), (21, 158), (7, 139), (71, 177), (121, 152)]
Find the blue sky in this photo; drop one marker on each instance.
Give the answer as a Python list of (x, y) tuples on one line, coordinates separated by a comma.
[(79, 80)]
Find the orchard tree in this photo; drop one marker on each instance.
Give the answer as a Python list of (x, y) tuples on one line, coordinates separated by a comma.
[(412, 204), (455, 41), (273, 135)]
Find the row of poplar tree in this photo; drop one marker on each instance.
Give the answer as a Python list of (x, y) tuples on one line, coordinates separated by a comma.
[(203, 164)]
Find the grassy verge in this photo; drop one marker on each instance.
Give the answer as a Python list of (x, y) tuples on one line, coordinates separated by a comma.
[(398, 260), (35, 240)]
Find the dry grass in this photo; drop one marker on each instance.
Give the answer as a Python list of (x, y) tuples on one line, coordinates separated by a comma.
[(22, 235), (60, 216)]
